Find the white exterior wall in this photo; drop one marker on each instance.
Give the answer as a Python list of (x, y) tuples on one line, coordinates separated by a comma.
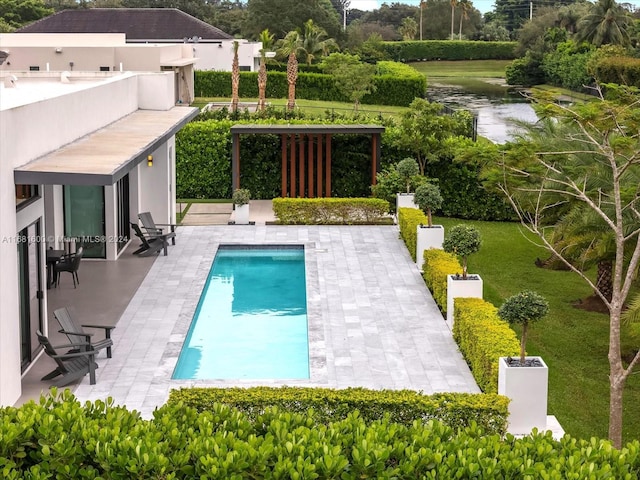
[(219, 56), (151, 198)]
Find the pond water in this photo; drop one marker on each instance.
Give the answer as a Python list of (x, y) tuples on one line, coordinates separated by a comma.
[(498, 106)]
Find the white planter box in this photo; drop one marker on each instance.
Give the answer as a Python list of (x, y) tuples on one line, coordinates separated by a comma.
[(241, 214), (527, 387), (404, 200), (426, 238), (469, 288)]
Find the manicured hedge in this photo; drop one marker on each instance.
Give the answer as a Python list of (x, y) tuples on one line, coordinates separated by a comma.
[(415, 51), (64, 439), (324, 405), (408, 221), (621, 70), (330, 211), (483, 338), (396, 86), (437, 265)]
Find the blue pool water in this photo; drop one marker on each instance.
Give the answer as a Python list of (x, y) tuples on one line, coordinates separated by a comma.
[(251, 321)]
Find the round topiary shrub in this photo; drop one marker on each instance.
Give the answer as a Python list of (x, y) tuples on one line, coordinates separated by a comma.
[(462, 240), (428, 198), (524, 308), (407, 168)]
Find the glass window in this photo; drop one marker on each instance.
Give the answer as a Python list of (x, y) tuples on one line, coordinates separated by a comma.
[(25, 194)]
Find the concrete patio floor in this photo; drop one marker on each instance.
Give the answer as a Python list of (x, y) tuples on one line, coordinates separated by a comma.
[(372, 321)]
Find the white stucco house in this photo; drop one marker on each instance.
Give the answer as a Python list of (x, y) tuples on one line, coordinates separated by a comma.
[(81, 154), (212, 47)]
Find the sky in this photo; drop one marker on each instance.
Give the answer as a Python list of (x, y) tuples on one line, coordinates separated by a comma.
[(483, 5)]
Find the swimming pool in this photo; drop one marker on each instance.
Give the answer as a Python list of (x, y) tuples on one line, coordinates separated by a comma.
[(251, 320)]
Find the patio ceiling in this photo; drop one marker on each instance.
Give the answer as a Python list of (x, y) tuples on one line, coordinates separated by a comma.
[(107, 155)]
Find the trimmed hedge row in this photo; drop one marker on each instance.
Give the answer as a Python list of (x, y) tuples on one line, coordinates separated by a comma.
[(324, 405), (391, 89), (330, 211), (415, 51), (483, 338), (65, 439), (622, 70), (408, 221), (437, 265)]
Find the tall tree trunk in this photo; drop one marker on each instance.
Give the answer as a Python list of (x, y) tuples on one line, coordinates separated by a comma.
[(235, 78), (292, 77), (617, 373), (262, 84), (460, 31), (453, 13), (604, 280)]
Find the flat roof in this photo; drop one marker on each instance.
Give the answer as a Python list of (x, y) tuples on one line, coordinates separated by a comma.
[(306, 128), (107, 155)]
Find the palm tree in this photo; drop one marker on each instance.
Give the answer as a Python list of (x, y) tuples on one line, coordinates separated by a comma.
[(315, 42), (454, 4), (408, 28), (267, 41), (465, 7), (290, 46), (606, 23), (235, 78)]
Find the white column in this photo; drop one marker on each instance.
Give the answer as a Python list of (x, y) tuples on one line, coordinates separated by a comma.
[(458, 288), (527, 387), (426, 238)]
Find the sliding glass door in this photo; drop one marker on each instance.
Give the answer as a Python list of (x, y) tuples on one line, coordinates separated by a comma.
[(84, 218), (30, 285)]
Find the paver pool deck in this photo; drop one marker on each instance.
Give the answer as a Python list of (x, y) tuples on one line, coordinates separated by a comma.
[(372, 321)]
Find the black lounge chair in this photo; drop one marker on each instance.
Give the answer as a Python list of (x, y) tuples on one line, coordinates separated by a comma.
[(73, 365), (152, 228), (77, 335), (69, 263), (151, 244)]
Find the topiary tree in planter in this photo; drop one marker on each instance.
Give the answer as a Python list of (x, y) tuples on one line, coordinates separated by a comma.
[(462, 240), (428, 198), (524, 308), (241, 196), (408, 168)]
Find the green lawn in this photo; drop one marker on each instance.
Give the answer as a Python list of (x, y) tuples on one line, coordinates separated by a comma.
[(314, 107), (572, 342), (462, 68)]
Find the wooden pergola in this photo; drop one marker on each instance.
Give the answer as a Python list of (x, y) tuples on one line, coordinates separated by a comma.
[(306, 155)]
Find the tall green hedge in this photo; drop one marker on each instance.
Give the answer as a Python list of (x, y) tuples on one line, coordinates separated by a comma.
[(203, 161), (415, 51), (398, 87)]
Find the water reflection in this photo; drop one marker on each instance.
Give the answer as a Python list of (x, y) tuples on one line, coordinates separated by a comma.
[(498, 107)]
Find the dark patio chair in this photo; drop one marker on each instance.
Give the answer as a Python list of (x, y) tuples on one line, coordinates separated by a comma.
[(72, 366), (151, 243), (77, 335), (69, 263), (152, 228)]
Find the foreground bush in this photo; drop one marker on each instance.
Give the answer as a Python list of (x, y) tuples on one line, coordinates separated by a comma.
[(60, 438), (324, 405), (330, 211)]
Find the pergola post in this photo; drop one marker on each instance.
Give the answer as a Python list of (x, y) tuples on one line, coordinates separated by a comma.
[(319, 164), (283, 142), (327, 185), (301, 175), (292, 156), (310, 166)]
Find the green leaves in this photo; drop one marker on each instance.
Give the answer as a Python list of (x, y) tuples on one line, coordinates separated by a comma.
[(524, 307)]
